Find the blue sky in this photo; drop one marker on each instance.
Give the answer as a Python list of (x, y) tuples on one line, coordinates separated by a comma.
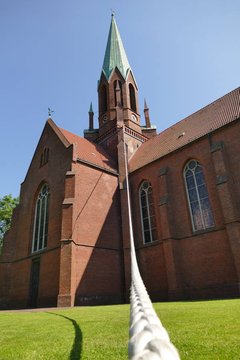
[(184, 55)]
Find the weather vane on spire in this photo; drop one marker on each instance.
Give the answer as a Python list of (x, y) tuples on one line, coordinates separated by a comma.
[(50, 113), (113, 12)]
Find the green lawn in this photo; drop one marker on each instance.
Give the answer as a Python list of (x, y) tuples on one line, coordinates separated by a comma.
[(200, 330)]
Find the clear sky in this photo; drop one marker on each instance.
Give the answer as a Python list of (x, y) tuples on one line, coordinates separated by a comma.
[(184, 54)]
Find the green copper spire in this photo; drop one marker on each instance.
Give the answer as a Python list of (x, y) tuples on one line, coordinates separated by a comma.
[(115, 55)]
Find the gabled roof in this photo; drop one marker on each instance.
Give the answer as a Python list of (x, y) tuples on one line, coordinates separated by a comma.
[(208, 119), (83, 150), (92, 154), (115, 55)]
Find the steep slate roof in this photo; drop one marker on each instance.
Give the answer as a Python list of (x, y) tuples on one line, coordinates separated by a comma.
[(88, 152), (115, 55), (210, 118)]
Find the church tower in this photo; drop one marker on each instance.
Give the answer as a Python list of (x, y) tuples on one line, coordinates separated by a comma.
[(117, 79), (119, 130), (117, 100)]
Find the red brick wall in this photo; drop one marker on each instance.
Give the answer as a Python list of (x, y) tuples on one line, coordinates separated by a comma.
[(19, 285), (49, 279), (152, 268), (20, 235), (98, 274), (150, 257), (206, 266), (98, 278), (204, 263)]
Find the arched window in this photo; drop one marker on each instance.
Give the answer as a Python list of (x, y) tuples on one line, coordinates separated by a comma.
[(117, 82), (104, 102), (40, 229), (132, 97), (199, 205), (147, 213)]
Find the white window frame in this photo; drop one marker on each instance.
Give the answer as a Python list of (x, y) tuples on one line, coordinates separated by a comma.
[(204, 225), (41, 220), (148, 212)]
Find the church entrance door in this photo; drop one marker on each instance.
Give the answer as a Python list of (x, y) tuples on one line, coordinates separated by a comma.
[(34, 283)]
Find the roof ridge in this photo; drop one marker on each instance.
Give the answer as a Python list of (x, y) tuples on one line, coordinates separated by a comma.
[(213, 116), (205, 107), (58, 131), (87, 152), (196, 112)]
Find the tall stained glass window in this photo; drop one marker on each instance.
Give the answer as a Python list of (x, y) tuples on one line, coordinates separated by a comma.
[(40, 230), (147, 213), (198, 200)]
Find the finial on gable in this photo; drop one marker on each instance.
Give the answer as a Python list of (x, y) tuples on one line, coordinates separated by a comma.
[(50, 113)]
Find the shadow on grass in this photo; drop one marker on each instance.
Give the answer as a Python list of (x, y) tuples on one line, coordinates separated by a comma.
[(76, 350)]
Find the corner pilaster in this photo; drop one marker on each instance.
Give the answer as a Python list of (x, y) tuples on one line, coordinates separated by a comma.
[(225, 189), (174, 285), (124, 210), (66, 294)]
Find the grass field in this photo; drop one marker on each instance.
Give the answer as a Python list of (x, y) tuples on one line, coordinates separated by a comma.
[(200, 330)]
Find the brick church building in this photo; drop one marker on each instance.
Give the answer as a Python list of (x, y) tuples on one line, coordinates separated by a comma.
[(69, 240)]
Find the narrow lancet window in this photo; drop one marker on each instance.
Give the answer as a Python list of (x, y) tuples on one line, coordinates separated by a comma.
[(147, 213), (40, 229), (197, 193), (118, 84), (104, 102), (44, 157), (132, 98)]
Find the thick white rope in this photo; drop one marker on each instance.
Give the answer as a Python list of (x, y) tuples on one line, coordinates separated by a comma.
[(148, 339)]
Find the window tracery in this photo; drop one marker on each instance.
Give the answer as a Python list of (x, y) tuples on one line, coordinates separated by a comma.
[(197, 194), (147, 213), (40, 229)]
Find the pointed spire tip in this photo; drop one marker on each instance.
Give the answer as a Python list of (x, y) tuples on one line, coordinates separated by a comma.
[(145, 104), (115, 55), (91, 108)]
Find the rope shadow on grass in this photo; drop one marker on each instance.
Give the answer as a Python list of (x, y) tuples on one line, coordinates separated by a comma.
[(76, 350)]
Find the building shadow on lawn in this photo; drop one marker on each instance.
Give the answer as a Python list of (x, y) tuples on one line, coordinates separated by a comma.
[(76, 350)]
